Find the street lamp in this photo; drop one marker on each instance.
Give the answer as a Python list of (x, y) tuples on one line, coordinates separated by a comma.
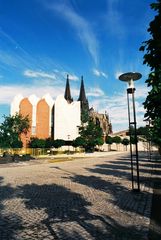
[(149, 146), (68, 143), (130, 77)]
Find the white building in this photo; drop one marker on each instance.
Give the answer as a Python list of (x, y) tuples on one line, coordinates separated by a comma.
[(59, 119), (67, 119)]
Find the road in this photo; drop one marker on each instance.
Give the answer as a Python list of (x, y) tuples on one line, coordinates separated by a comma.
[(87, 198)]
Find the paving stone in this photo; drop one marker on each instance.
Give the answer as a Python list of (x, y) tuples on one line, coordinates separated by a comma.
[(85, 199)]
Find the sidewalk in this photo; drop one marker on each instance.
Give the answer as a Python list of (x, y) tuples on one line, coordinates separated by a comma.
[(59, 158), (87, 197), (82, 155)]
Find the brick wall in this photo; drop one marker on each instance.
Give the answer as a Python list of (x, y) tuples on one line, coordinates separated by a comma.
[(26, 109), (42, 119)]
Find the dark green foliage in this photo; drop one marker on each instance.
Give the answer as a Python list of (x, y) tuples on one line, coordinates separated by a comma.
[(109, 140), (79, 141), (152, 58), (155, 132), (100, 141), (145, 132), (17, 144), (125, 141), (11, 129), (90, 136), (85, 113), (142, 131), (58, 143), (48, 143), (117, 139), (133, 140), (37, 143)]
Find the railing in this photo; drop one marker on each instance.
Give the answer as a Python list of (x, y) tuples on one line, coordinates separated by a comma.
[(46, 151), (36, 151)]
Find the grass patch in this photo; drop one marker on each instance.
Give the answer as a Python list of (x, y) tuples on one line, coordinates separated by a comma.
[(61, 160)]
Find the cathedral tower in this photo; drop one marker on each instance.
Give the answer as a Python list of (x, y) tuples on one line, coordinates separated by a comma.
[(84, 103), (67, 94)]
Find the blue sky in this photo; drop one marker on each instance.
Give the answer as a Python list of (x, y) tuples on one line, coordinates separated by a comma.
[(43, 40)]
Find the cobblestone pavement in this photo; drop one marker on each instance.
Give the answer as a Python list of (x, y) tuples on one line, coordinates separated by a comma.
[(82, 199)]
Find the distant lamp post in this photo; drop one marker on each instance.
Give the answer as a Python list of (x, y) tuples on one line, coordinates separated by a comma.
[(149, 145), (130, 77), (68, 143)]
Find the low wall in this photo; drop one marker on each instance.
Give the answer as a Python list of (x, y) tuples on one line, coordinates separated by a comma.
[(142, 146)]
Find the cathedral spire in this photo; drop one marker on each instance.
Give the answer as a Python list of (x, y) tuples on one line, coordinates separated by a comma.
[(82, 95), (67, 94), (84, 103)]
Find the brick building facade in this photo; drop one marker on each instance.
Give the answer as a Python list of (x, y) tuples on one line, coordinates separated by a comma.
[(57, 119)]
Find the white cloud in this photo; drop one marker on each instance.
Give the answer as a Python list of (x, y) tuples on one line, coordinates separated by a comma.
[(99, 73), (116, 107), (47, 77), (117, 113), (36, 74), (104, 75), (82, 27), (7, 93), (95, 92), (96, 72), (72, 77), (141, 91), (114, 20)]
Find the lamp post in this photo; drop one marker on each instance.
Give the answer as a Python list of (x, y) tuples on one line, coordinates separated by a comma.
[(130, 77), (68, 143), (149, 146)]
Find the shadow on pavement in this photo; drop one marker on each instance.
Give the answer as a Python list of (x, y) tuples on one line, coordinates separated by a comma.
[(9, 222), (52, 211), (66, 215)]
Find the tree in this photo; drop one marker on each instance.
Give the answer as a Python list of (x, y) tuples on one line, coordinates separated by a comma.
[(133, 140), (58, 143), (109, 141), (125, 142), (85, 114), (143, 131), (78, 142), (49, 143), (117, 140), (152, 58), (91, 135), (11, 129), (37, 143)]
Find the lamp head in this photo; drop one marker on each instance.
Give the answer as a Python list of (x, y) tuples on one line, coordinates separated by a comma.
[(130, 77)]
